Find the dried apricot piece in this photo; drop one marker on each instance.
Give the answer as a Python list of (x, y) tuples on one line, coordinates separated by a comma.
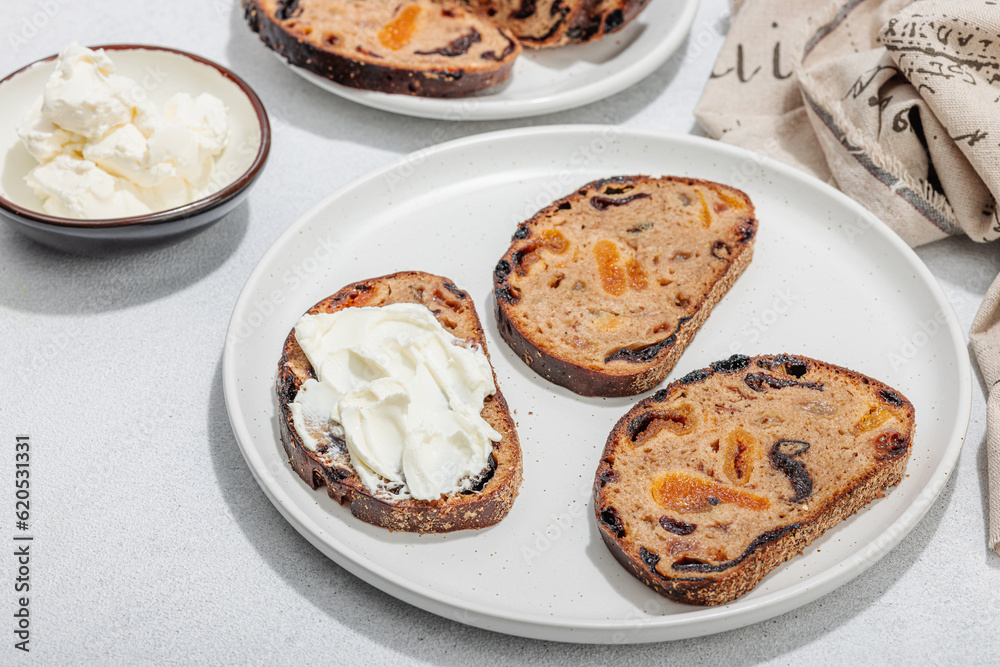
[(609, 267), (550, 239), (398, 32), (739, 453), (636, 276), (689, 493), (875, 417), (733, 202), (554, 240), (706, 215)]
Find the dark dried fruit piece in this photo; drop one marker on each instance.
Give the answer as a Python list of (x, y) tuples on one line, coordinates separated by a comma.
[(890, 397), (458, 47), (782, 459), (642, 354), (746, 232), (506, 294), (794, 366), (890, 445), (286, 9), (610, 518), (721, 250), (695, 376), (451, 287), (649, 558), (757, 382), (690, 564), (602, 203), (614, 21), (678, 421), (480, 481), (498, 57), (733, 364), (646, 352), (526, 10), (501, 272), (676, 526)]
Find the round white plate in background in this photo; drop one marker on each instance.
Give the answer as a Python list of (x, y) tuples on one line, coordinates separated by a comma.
[(828, 280), (550, 80)]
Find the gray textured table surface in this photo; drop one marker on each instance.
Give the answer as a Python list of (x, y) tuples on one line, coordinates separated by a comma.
[(153, 542)]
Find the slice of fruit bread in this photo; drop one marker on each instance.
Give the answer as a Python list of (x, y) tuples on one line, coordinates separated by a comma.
[(710, 483), (602, 290)]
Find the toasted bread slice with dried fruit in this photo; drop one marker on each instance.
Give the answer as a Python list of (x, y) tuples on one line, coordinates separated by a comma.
[(492, 492), (601, 291), (709, 484), (432, 48)]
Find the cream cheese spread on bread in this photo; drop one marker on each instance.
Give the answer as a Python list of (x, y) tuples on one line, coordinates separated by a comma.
[(404, 395), (104, 151)]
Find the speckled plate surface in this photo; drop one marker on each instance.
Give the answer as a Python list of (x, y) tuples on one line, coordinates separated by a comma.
[(550, 80), (828, 280)]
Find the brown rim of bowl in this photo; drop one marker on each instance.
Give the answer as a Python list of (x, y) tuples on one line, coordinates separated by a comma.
[(169, 214)]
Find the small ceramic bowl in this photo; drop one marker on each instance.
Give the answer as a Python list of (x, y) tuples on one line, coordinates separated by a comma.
[(160, 73)]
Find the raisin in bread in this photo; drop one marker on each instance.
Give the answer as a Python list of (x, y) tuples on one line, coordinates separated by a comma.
[(601, 291), (493, 491), (432, 48), (547, 23), (710, 483), (602, 17)]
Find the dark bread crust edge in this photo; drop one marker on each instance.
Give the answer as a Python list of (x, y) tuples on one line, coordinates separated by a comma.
[(787, 542), (587, 381), (583, 23), (356, 72), (456, 512), (591, 25), (573, 20)]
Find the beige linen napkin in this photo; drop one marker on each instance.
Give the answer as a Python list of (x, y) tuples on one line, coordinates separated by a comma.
[(895, 102)]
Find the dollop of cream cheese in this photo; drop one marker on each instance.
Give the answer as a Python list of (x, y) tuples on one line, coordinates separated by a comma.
[(105, 152), (403, 393)]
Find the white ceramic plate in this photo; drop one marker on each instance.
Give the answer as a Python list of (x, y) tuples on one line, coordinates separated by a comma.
[(550, 80), (827, 280)]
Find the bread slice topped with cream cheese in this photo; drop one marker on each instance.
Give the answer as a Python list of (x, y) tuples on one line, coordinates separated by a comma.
[(709, 484), (387, 397)]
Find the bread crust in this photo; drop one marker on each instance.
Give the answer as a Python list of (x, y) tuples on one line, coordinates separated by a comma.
[(572, 21), (456, 311), (603, 17), (773, 545), (362, 71), (623, 378)]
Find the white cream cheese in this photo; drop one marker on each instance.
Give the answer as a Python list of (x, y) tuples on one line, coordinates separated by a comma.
[(103, 154), (406, 394)]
